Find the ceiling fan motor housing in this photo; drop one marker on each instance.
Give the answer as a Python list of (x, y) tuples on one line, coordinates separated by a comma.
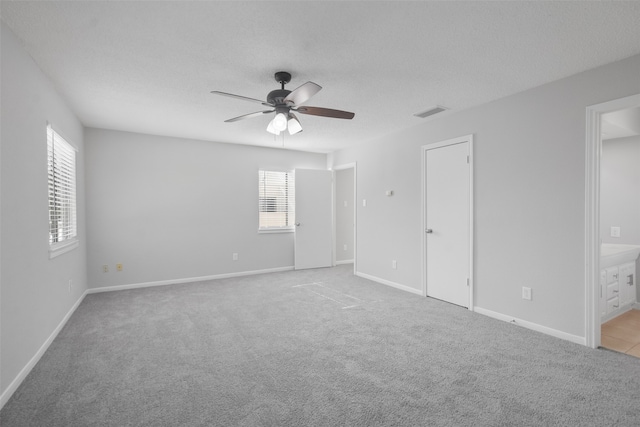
[(276, 97)]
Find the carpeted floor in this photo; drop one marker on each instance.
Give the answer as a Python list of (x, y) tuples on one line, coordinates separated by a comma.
[(313, 348)]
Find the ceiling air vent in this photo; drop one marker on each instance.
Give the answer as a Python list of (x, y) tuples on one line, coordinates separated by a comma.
[(431, 111)]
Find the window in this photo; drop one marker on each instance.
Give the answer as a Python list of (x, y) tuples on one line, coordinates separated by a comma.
[(62, 194), (276, 200)]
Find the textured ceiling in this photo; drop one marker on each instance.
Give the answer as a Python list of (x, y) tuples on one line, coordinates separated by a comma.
[(148, 67)]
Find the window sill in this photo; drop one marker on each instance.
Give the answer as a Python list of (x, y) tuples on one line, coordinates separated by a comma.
[(275, 230), (62, 248)]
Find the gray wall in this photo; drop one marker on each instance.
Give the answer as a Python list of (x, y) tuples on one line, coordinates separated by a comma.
[(529, 196), (34, 294), (170, 208), (620, 190), (344, 207)]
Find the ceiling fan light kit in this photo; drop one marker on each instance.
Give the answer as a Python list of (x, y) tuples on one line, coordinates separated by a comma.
[(284, 102), (279, 122)]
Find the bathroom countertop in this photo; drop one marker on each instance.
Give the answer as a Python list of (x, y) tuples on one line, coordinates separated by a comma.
[(614, 254)]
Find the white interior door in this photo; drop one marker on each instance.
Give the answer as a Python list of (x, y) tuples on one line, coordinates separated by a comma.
[(447, 221), (314, 229)]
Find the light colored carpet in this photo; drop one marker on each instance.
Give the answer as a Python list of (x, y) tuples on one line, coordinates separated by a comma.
[(313, 348)]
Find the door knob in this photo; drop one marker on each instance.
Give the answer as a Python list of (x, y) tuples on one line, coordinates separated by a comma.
[(297, 224), (428, 230)]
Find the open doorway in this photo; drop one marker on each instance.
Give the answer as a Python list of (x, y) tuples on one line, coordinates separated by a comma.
[(620, 230), (345, 215), (611, 239)]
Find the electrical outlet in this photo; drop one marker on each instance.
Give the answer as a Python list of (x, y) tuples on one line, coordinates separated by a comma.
[(235, 256), (526, 293), (105, 268), (394, 264), (615, 231), (344, 247), (119, 267), (364, 203)]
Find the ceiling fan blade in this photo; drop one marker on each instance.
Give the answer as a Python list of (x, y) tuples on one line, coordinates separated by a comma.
[(248, 116), (325, 112), (244, 98), (302, 93)]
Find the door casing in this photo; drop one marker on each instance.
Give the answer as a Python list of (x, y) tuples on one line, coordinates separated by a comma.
[(592, 212)]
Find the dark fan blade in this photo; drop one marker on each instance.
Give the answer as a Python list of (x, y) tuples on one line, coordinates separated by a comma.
[(244, 98), (302, 93), (248, 116), (325, 112)]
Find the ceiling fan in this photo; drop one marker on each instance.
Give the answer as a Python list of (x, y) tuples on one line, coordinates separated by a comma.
[(284, 102)]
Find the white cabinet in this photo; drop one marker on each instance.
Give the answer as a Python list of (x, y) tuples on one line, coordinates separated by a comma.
[(627, 281), (617, 290)]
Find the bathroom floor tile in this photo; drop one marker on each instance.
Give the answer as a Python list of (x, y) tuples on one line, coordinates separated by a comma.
[(635, 351), (617, 344), (623, 333)]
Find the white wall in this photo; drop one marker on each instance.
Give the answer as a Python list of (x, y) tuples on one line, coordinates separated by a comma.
[(344, 214), (620, 190), (34, 294), (171, 209), (529, 196)]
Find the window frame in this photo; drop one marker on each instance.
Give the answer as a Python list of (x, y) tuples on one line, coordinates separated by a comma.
[(271, 202), (55, 141)]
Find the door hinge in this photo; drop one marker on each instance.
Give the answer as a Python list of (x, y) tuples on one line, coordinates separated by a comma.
[(467, 281), (467, 159)]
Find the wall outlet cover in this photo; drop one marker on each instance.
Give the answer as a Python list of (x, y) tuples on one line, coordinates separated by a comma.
[(615, 231)]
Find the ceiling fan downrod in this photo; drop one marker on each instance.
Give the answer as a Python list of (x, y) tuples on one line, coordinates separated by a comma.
[(282, 77)]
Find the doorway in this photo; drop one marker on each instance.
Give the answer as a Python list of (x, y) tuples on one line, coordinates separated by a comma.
[(313, 237), (447, 171), (592, 213), (344, 210)]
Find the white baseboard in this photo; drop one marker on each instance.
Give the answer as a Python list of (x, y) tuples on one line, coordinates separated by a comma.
[(346, 261), (389, 283), (187, 280), (533, 326), (6, 395)]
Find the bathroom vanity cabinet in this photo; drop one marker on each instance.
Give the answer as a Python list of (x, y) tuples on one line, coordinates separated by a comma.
[(617, 290), (618, 281)]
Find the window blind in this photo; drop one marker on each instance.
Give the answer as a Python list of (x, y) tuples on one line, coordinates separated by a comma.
[(62, 188), (276, 200)]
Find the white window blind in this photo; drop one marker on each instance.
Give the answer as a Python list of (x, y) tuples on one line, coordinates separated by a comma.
[(276, 200), (62, 189)]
